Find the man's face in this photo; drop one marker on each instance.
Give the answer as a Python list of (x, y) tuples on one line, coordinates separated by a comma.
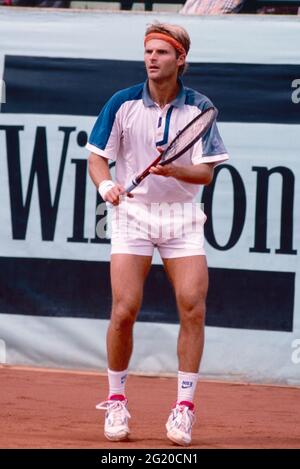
[(161, 61)]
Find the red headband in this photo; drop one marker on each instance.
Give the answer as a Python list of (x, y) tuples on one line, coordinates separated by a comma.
[(164, 37)]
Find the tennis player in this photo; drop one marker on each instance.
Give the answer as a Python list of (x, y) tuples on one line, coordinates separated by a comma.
[(133, 126)]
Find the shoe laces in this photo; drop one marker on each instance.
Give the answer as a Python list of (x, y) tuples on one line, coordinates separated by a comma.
[(116, 410), (184, 419)]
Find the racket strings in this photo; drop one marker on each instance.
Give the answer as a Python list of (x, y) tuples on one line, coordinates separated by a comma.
[(188, 135)]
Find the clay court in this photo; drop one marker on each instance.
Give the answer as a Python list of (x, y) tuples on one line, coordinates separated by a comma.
[(56, 409)]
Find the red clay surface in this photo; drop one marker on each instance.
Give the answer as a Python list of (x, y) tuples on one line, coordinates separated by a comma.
[(45, 409)]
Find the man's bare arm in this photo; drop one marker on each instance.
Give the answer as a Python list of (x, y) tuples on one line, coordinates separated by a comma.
[(100, 174), (201, 173)]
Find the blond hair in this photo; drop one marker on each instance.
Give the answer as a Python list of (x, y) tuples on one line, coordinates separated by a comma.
[(176, 32)]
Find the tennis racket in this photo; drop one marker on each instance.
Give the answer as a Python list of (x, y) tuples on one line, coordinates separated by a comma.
[(183, 141)]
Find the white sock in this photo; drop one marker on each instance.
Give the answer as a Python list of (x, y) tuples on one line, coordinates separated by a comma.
[(116, 382), (187, 383)]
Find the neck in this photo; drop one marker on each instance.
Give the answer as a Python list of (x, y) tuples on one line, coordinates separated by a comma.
[(164, 92)]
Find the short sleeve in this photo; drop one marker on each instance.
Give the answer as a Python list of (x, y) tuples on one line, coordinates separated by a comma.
[(210, 149), (106, 133)]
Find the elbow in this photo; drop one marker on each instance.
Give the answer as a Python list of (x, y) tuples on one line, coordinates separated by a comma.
[(208, 176), (207, 180)]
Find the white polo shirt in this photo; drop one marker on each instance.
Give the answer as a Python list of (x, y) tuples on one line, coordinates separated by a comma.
[(131, 126)]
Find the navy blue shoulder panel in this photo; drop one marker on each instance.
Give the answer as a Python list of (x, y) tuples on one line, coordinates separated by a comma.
[(212, 141), (194, 98), (105, 121)]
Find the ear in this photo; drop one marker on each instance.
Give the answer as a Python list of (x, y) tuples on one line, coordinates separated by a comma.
[(181, 60)]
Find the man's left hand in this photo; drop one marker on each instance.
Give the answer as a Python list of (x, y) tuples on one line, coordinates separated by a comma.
[(168, 171)]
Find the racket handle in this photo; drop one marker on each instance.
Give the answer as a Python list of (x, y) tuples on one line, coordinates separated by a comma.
[(127, 190), (131, 187)]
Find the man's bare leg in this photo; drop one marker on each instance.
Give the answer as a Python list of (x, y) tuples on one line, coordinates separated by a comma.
[(128, 274), (189, 277)]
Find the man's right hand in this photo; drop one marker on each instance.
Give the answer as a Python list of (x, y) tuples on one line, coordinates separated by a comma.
[(114, 195)]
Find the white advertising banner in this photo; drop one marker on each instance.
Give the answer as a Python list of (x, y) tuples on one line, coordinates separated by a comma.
[(57, 69)]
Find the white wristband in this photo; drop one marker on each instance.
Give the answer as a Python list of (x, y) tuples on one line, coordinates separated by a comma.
[(105, 186)]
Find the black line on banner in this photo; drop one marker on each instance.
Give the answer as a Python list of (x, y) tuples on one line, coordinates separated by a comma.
[(237, 298), (68, 86)]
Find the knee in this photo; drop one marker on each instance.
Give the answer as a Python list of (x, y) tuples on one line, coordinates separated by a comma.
[(123, 317), (192, 310)]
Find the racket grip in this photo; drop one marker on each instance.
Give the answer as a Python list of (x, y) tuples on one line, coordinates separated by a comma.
[(131, 187)]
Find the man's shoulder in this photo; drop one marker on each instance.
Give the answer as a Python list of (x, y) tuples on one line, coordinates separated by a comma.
[(197, 99), (133, 93)]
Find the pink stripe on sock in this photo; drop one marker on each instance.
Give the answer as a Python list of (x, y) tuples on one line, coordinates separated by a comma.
[(190, 405), (117, 397)]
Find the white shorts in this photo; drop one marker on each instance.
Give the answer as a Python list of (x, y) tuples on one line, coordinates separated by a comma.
[(177, 229)]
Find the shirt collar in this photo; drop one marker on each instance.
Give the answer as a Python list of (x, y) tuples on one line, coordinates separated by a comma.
[(177, 102)]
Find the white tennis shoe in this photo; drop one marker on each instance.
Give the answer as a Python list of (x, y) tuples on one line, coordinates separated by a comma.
[(116, 419), (179, 425)]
